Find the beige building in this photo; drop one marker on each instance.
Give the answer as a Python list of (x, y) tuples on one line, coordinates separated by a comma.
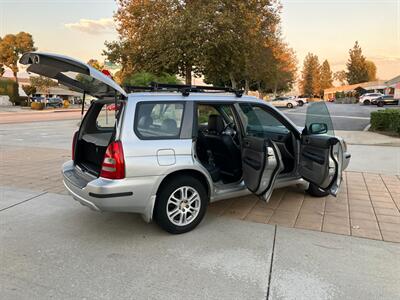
[(371, 86)]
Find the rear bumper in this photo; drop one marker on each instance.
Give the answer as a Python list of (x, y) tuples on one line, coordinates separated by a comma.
[(126, 195)]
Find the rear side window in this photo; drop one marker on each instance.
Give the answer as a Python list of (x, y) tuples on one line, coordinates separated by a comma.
[(159, 120)]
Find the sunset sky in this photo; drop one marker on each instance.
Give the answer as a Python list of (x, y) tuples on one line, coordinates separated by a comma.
[(327, 28)]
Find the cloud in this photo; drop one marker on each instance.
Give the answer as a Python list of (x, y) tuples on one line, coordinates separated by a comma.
[(105, 25)]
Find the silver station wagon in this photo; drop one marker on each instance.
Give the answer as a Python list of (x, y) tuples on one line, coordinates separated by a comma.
[(166, 151)]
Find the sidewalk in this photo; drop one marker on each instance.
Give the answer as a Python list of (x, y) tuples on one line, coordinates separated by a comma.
[(368, 138)]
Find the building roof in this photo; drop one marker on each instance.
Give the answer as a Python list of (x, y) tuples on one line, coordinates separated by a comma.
[(60, 91), (370, 85), (393, 81)]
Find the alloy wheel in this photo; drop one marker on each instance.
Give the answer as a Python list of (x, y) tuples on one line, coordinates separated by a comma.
[(183, 206)]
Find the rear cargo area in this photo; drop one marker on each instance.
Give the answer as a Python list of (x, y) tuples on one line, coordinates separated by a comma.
[(96, 133)]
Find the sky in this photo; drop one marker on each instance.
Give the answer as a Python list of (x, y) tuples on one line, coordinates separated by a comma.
[(327, 28)]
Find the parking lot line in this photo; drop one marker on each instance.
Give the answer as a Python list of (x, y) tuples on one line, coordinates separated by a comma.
[(332, 116)]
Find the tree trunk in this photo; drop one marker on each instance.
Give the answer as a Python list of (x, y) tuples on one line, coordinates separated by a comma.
[(260, 93), (233, 81), (188, 75), (15, 77), (246, 86), (275, 88)]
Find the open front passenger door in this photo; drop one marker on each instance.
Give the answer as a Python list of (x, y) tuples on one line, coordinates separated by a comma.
[(321, 160)]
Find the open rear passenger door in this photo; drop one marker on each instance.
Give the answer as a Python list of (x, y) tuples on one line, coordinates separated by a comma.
[(321, 160), (261, 164), (261, 158)]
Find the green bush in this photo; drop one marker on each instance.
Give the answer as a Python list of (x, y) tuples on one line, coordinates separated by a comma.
[(10, 88), (386, 120)]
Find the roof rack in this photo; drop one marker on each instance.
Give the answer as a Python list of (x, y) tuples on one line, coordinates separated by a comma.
[(182, 88)]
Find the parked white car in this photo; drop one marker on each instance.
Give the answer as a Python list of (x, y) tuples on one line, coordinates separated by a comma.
[(369, 98), (284, 102)]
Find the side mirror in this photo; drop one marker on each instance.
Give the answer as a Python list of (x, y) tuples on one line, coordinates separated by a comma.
[(318, 128)]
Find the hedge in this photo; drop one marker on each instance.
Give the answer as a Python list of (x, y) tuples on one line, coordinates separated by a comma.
[(386, 120), (9, 87)]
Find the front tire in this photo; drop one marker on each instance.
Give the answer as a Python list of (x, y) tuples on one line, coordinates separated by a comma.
[(181, 205), (314, 191), (301, 103), (289, 105), (367, 102), (380, 104)]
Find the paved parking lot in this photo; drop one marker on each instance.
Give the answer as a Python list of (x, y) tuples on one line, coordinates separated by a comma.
[(352, 117)]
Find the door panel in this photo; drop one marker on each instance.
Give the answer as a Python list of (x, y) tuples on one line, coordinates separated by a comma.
[(319, 161), (261, 164)]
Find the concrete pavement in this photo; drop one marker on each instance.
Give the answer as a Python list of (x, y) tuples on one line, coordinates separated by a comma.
[(51, 247), (375, 159)]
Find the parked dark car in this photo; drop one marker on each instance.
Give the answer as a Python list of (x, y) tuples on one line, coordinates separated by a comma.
[(385, 100), (55, 102)]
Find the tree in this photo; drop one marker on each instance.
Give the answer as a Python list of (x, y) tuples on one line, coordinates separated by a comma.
[(310, 81), (2, 70), (371, 70), (357, 71), (42, 84), (226, 41), (326, 76), (29, 90), (95, 64), (284, 68), (239, 38), (145, 78), (341, 76), (11, 47), (157, 37)]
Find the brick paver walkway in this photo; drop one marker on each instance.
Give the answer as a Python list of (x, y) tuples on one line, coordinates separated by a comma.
[(368, 205)]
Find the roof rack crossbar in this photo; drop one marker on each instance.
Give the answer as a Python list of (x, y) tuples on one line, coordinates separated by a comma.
[(182, 88)]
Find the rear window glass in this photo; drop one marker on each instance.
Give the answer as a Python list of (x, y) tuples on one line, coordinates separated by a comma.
[(159, 120), (106, 117)]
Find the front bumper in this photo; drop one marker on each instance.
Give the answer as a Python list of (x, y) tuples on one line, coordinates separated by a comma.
[(135, 195)]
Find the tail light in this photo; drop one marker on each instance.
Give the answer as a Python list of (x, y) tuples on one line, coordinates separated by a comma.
[(74, 139), (113, 166)]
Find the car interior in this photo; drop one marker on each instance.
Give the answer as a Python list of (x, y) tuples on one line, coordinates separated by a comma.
[(98, 130), (218, 143)]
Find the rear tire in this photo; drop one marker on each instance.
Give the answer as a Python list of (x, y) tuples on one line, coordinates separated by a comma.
[(314, 191), (289, 105), (181, 204), (367, 102), (380, 104)]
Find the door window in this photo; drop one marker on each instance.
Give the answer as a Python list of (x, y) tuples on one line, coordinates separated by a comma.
[(318, 119), (203, 113), (257, 121)]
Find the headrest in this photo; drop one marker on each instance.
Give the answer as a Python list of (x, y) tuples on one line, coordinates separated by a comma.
[(145, 122), (215, 123), (169, 126)]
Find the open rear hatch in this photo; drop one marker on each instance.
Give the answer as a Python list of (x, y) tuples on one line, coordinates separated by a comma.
[(97, 131), (72, 73), (98, 128)]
